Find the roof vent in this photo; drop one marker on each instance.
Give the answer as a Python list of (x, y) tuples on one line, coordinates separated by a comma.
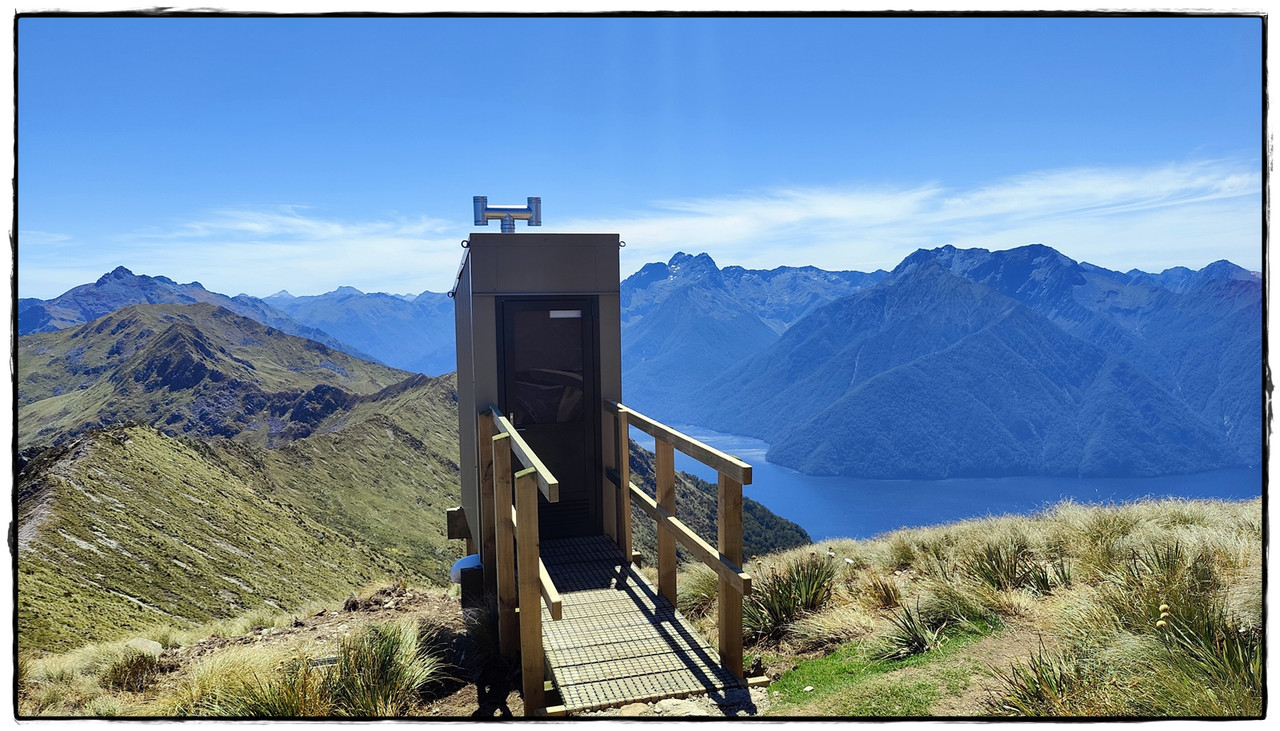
[(531, 212)]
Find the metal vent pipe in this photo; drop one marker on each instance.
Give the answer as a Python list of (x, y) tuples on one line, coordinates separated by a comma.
[(508, 214)]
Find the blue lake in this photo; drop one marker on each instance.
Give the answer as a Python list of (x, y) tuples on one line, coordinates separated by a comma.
[(845, 507)]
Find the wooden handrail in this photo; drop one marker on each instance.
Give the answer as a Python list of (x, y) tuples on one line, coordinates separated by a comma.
[(732, 582), (690, 540), (709, 456), (522, 577), (547, 483)]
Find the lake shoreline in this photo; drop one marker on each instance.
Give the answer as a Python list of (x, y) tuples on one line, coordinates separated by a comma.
[(846, 507)]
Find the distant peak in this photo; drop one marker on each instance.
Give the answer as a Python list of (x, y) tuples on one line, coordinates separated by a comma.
[(682, 260), (1222, 267), (282, 294), (347, 291), (117, 273)]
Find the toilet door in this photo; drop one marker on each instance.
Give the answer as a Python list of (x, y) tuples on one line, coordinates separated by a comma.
[(551, 395)]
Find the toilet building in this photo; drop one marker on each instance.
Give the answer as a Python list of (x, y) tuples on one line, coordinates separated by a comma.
[(538, 336)]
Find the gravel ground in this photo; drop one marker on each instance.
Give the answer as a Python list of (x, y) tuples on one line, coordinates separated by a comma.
[(752, 702)]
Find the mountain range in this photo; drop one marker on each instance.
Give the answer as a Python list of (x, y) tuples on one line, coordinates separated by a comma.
[(181, 463), (411, 333), (121, 288), (978, 363), (1055, 366)]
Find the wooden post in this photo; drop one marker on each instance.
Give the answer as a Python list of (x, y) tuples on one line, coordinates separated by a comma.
[(487, 537), (504, 547), (531, 659), (624, 482), (729, 534), (665, 474), (609, 498)]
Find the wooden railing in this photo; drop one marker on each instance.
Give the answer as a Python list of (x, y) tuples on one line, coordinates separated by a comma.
[(517, 526), (727, 560)]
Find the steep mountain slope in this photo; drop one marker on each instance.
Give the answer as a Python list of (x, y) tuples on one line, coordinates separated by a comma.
[(1020, 362), (191, 369), (1198, 334), (686, 321), (121, 288), (1016, 397), (842, 345), (414, 334)]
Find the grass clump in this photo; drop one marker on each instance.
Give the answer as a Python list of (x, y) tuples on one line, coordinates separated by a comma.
[(380, 670), (1047, 685), (882, 591), (378, 673), (1210, 666), (911, 634), (696, 590), (134, 671), (296, 690)]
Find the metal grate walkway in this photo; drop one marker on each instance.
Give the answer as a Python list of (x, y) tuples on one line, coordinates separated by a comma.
[(619, 641)]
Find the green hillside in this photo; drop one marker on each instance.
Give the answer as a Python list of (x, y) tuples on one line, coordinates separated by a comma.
[(126, 527)]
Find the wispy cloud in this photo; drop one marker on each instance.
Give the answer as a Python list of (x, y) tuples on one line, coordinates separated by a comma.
[(41, 237), (268, 248), (1149, 218), (259, 250)]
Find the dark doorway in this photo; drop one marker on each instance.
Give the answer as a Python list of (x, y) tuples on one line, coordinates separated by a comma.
[(549, 390)]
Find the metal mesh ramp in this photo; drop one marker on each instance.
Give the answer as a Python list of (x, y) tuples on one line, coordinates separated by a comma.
[(619, 640)]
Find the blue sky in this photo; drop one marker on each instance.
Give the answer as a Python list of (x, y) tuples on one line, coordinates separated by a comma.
[(255, 155)]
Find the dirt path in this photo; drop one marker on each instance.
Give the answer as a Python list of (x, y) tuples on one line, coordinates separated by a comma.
[(1019, 640)]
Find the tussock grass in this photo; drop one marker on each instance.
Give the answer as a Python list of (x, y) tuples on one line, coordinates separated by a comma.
[(881, 592), (135, 671), (830, 626), (212, 687), (783, 594), (379, 672)]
